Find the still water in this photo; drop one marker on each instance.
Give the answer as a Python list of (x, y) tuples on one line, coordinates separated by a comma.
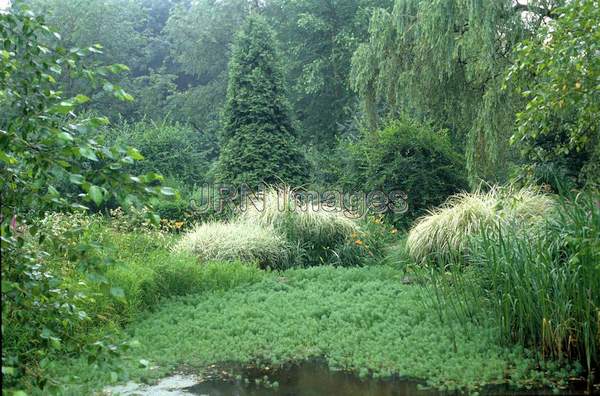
[(304, 379)]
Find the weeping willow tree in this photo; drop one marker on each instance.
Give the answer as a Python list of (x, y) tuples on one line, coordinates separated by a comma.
[(445, 61)]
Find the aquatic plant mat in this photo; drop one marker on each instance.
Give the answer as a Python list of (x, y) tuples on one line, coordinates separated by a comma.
[(360, 320)]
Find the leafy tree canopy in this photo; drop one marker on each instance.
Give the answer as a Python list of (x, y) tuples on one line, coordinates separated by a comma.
[(558, 73), (444, 61), (318, 39)]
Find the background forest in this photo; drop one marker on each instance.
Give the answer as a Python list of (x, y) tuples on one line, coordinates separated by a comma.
[(455, 71)]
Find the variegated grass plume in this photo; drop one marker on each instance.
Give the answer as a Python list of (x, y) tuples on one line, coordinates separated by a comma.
[(444, 233)]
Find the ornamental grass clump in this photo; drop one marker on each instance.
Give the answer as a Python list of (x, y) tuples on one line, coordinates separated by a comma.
[(318, 233), (445, 233), (282, 209), (236, 241)]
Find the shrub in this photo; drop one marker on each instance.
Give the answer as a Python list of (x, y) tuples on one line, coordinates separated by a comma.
[(444, 233), (174, 150), (277, 230), (409, 157), (191, 206), (236, 241), (557, 72), (313, 230), (41, 148)]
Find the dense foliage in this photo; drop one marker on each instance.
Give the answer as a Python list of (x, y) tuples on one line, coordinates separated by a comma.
[(176, 151), (351, 316), (540, 283), (259, 140), (408, 157), (444, 61), (472, 123), (444, 234), (278, 231), (558, 73), (42, 143), (318, 39), (561, 316)]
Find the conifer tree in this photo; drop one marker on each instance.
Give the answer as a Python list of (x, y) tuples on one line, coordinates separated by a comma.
[(259, 142)]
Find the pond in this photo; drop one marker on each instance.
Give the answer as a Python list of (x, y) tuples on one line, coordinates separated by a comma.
[(305, 379)]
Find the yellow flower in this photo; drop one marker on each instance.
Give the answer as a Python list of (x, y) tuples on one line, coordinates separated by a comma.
[(358, 242), (178, 224)]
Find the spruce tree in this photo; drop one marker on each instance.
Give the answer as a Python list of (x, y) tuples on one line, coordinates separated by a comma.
[(258, 140)]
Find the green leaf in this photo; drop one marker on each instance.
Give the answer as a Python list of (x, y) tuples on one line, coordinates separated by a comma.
[(65, 136), (80, 99), (167, 191), (7, 158), (8, 370), (135, 154), (63, 107), (95, 194), (117, 292), (96, 122), (88, 153), (76, 178), (144, 363), (118, 68), (122, 95)]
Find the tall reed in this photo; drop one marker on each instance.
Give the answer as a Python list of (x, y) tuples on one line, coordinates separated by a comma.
[(541, 285)]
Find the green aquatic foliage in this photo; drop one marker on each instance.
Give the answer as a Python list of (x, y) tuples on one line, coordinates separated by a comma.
[(558, 73), (444, 235), (258, 139), (359, 319)]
